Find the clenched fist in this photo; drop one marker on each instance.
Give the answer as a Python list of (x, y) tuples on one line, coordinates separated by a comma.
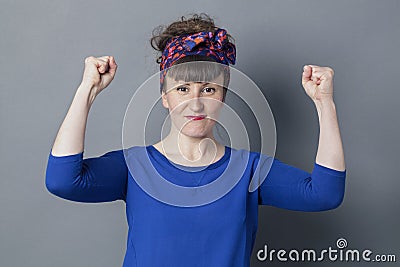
[(318, 82), (99, 72)]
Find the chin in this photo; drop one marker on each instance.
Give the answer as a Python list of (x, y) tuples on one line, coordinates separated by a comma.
[(196, 132), (199, 129)]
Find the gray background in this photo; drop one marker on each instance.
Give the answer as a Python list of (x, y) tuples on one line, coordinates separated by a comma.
[(43, 45)]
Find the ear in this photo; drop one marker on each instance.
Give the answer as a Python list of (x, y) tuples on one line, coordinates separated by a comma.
[(164, 99)]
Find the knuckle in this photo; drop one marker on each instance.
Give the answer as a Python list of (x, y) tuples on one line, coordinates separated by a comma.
[(104, 58), (330, 72), (329, 69), (89, 59), (329, 75), (102, 61)]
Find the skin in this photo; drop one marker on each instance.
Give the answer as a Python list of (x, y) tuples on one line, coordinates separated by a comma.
[(318, 84), (192, 143), (98, 74)]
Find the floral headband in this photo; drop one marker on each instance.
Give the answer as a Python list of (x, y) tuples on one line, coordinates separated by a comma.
[(210, 44)]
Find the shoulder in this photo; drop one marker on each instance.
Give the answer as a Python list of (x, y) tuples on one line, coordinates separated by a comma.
[(254, 159), (123, 153), (134, 152), (251, 155)]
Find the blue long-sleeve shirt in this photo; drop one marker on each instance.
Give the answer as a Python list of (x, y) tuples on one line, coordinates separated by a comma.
[(220, 233)]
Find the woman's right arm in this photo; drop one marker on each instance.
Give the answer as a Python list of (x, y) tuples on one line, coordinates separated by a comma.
[(70, 176), (98, 74)]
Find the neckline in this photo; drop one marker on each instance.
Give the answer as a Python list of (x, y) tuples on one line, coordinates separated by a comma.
[(213, 165)]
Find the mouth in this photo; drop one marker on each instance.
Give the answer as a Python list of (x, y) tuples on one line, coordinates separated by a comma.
[(196, 118)]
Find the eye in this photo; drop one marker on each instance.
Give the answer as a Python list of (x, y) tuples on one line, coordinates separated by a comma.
[(182, 89), (208, 90)]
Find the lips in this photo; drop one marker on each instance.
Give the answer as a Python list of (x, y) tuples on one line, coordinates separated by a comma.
[(196, 118)]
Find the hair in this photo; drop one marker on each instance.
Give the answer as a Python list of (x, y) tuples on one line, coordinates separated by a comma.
[(203, 71)]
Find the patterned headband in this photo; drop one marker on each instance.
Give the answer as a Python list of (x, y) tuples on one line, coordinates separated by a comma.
[(210, 44)]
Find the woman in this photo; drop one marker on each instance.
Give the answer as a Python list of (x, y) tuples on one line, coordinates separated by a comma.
[(220, 233)]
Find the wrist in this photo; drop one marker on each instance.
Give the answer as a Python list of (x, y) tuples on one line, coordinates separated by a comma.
[(324, 102), (325, 106), (87, 92)]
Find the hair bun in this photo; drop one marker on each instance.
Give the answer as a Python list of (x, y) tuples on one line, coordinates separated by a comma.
[(195, 23)]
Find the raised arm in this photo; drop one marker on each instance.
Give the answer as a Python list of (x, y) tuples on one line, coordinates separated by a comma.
[(70, 176), (291, 188), (318, 84), (98, 74)]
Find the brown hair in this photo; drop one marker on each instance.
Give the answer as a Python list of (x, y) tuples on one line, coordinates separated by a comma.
[(193, 24)]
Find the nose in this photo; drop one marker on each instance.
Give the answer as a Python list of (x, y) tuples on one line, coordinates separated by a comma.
[(196, 104)]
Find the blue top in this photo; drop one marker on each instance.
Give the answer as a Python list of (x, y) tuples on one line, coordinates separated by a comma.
[(220, 233)]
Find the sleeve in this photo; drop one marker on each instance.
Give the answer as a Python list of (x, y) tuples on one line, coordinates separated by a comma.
[(294, 189), (98, 179)]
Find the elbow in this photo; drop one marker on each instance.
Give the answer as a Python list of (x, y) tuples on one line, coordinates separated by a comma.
[(59, 186), (330, 195), (336, 203), (53, 186), (63, 179), (332, 202)]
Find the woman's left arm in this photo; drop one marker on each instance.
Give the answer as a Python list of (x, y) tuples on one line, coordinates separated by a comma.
[(318, 84), (291, 188)]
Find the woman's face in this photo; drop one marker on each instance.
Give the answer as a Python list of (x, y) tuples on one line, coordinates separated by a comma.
[(194, 106)]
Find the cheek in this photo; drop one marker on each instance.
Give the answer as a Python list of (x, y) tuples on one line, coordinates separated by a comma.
[(219, 95), (215, 105), (175, 106)]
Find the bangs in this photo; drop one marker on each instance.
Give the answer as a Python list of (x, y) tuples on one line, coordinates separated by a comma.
[(201, 69)]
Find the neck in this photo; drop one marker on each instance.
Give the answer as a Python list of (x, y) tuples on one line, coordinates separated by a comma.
[(190, 151)]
